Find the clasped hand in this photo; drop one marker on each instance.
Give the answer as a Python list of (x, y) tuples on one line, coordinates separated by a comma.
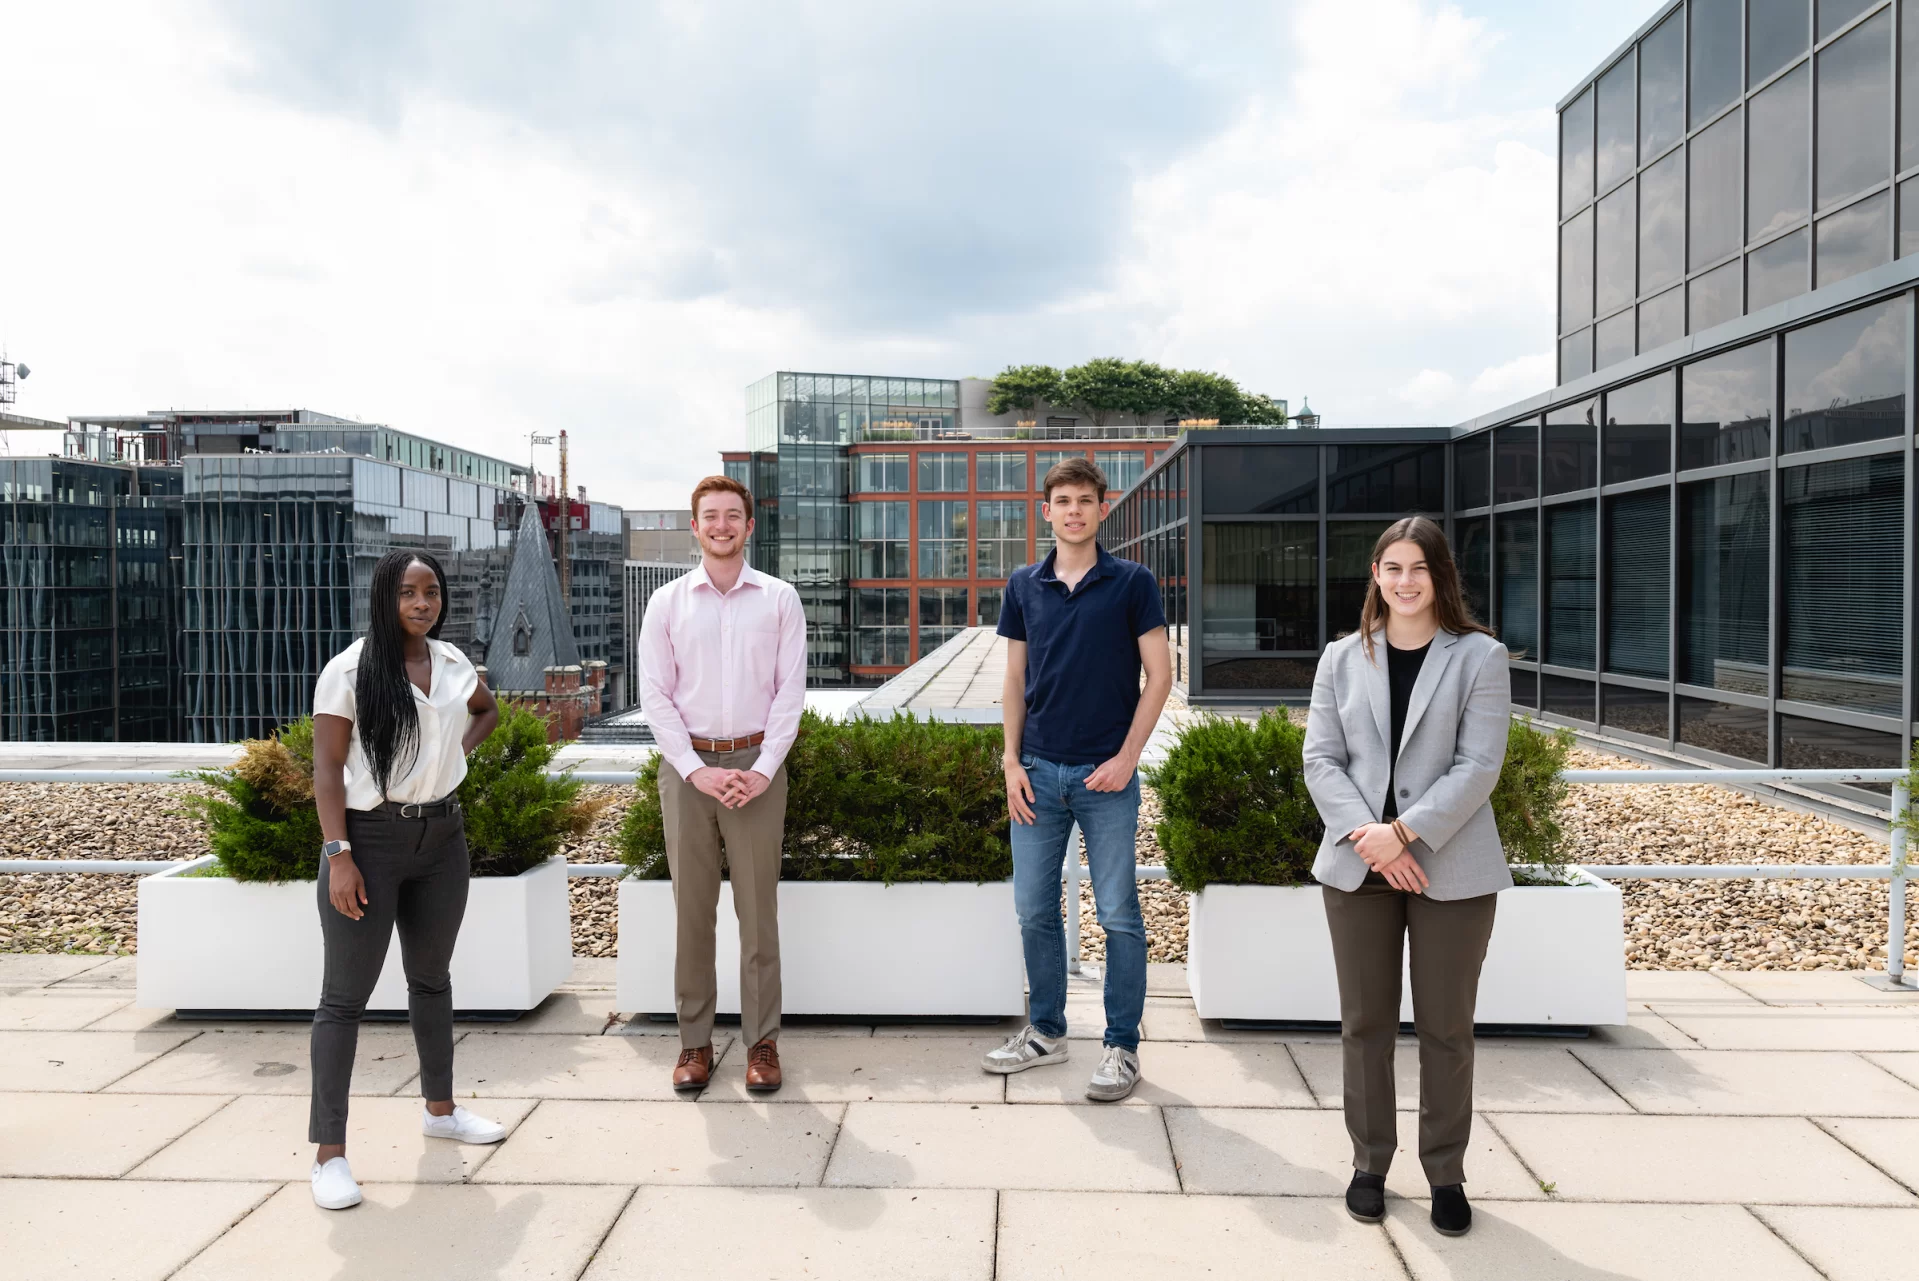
[(730, 787), (1380, 846)]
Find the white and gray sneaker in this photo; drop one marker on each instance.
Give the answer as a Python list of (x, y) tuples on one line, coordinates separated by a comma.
[(1116, 1075), (333, 1185), (1027, 1048), (461, 1126)]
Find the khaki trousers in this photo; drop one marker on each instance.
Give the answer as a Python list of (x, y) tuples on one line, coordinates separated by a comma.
[(696, 826), (1369, 928)]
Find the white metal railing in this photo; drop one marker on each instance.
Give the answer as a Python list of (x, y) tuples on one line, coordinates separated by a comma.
[(1896, 871)]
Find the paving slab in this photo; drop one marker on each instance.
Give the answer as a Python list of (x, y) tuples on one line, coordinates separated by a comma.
[(1642, 1030), (1655, 986), (1534, 1078), (1750, 1082), (76, 1062), (24, 970), (1179, 1021), (1903, 1066), (1274, 1153), (563, 1013), (1796, 1027), (593, 973), (1890, 1144), (716, 1144), (1189, 1073), (1132, 1237), (894, 1068), (404, 1232), (274, 1061), (92, 1136), (118, 974), (998, 1030), (87, 1229), (265, 1137), (1559, 1242), (998, 1145), (1818, 987), (536, 1066), (803, 1234), (1167, 978), (1849, 1244), (1709, 1159), (51, 1010)]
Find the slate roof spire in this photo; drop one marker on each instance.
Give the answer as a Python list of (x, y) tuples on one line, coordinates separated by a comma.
[(535, 628)]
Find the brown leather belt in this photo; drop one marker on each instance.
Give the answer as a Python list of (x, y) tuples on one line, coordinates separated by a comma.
[(727, 744)]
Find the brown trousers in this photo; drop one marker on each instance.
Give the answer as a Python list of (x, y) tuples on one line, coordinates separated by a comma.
[(696, 825), (1369, 928)]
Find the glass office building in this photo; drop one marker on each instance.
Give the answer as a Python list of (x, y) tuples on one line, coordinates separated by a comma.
[(1706, 543)]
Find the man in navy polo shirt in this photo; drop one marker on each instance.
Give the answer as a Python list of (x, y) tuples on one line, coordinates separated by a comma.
[(1079, 626)]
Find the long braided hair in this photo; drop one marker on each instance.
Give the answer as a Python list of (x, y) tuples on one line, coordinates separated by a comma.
[(382, 695)]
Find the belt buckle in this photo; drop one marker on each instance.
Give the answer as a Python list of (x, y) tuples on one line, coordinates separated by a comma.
[(414, 806)]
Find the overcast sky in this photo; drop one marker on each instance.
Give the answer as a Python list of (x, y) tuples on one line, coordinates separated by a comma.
[(474, 221)]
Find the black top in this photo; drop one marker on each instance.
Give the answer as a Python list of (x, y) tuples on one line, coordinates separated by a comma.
[(1402, 670)]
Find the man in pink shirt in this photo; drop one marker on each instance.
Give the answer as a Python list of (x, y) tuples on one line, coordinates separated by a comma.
[(722, 682)]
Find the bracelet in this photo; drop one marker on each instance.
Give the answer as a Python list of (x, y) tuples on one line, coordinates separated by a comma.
[(1403, 835)]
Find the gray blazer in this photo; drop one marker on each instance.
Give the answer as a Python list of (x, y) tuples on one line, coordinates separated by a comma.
[(1449, 759)]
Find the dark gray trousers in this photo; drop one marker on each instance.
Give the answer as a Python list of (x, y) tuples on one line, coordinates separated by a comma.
[(1370, 927), (416, 872)]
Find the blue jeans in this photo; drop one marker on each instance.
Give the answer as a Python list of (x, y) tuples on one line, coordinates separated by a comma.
[(1110, 821)]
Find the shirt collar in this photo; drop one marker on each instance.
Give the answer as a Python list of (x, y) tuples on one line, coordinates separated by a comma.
[(1104, 566), (749, 577)]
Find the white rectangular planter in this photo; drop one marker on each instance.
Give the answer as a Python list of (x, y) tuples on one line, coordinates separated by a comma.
[(1557, 956), (846, 947), (213, 943)]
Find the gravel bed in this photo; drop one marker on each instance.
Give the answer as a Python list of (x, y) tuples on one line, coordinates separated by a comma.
[(1739, 925)]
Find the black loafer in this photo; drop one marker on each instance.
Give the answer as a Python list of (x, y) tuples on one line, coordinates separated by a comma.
[(1366, 1197), (1452, 1214)]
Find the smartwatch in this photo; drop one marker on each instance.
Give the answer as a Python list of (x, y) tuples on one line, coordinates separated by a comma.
[(335, 847)]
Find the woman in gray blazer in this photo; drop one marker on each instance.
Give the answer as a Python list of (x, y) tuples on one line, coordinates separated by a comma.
[(1404, 743)]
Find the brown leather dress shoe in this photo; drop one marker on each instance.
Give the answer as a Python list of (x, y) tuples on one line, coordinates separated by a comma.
[(694, 1069), (763, 1066)]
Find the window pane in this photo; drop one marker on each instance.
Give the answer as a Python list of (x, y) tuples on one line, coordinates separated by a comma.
[(1571, 453), (1123, 468), (1638, 711), (988, 609), (1516, 463), (1841, 625), (1726, 407), (1386, 478), (1575, 355), (1726, 728), (1908, 85), (1662, 319), (1045, 460), (1525, 687), (1472, 471), (1576, 153), (1613, 339), (942, 473), (1571, 586), (1909, 206), (1805, 743), (1855, 239), (1714, 203), (1262, 586), (1638, 540), (1349, 568), (1567, 697), (1712, 299), (1615, 234), (1473, 551), (1639, 429), (1715, 57), (1661, 87), (1576, 271), (1002, 473), (1855, 111), (1846, 379), (1778, 271), (1777, 32), (1616, 149), (1779, 185), (1723, 592), (1517, 545), (1253, 480), (1662, 222), (1834, 14)]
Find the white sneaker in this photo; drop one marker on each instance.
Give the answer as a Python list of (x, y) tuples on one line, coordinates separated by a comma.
[(461, 1126), (1026, 1048), (1115, 1077), (333, 1185)]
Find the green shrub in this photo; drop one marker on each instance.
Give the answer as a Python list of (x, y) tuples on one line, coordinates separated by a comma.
[(1233, 804), (1235, 810), (517, 817), (262, 826), (870, 800)]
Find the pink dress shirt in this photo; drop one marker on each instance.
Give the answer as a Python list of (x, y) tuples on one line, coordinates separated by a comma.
[(723, 666)]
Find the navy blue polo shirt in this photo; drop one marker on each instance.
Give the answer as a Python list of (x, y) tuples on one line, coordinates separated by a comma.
[(1082, 654)]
